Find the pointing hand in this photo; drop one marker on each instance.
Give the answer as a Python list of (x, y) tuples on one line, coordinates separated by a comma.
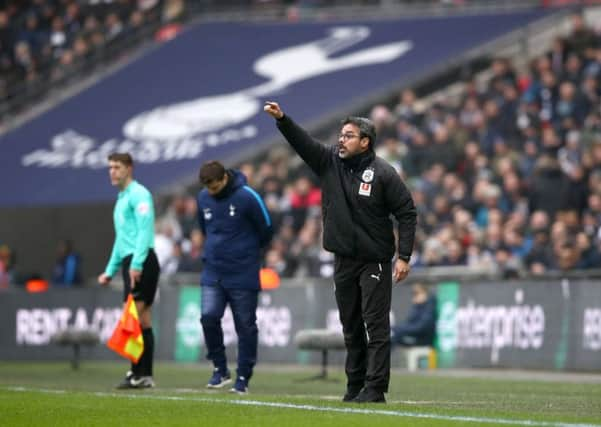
[(273, 109)]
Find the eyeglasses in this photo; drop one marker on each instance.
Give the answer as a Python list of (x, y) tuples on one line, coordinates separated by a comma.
[(347, 136)]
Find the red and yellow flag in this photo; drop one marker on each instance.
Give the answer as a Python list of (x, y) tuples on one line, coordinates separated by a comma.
[(127, 337)]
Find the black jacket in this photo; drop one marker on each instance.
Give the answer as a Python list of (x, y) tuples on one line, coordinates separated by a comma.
[(359, 195)]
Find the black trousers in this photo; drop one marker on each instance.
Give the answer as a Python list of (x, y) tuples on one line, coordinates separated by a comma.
[(363, 294)]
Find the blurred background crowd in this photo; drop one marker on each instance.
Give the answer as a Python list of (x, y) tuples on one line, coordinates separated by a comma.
[(59, 40), (504, 165), (505, 171)]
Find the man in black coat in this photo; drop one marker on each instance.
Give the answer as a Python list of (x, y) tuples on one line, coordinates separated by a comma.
[(360, 193)]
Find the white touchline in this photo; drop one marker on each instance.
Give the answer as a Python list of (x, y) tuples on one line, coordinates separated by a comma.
[(258, 403)]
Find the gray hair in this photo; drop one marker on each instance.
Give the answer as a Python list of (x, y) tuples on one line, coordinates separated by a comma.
[(367, 129)]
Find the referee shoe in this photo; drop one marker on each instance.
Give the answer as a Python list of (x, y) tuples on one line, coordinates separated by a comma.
[(125, 382), (135, 382)]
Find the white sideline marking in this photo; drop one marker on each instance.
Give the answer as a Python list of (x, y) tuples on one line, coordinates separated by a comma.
[(315, 408), (335, 398)]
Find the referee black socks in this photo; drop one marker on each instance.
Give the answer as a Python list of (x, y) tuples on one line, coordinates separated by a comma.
[(145, 362)]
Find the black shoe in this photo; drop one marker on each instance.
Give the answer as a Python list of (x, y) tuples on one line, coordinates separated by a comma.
[(367, 395), (350, 394)]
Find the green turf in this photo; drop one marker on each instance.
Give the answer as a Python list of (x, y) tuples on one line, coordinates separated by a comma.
[(40, 394)]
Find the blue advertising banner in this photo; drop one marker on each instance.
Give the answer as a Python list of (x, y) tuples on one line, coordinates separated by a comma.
[(200, 97)]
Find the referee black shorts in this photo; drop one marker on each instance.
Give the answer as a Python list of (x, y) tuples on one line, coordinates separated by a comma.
[(146, 288)]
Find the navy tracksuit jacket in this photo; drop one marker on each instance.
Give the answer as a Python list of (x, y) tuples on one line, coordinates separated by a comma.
[(236, 225)]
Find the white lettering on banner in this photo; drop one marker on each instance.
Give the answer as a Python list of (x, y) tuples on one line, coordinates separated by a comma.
[(65, 152), (500, 327), (36, 326), (183, 130), (591, 334), (274, 323)]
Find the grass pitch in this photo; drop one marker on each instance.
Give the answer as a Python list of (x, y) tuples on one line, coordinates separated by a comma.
[(52, 394)]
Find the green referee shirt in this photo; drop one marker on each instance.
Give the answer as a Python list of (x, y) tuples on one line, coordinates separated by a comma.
[(134, 227)]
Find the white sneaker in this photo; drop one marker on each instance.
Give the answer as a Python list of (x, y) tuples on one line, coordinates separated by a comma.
[(141, 382)]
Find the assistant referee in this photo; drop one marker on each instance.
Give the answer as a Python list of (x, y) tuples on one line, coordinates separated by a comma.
[(133, 217)]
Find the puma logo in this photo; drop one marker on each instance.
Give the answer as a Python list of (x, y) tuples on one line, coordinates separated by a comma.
[(377, 277)]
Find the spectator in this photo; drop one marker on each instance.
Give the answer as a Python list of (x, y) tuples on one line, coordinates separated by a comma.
[(581, 37), (419, 328), (276, 259), (418, 156), (303, 197), (6, 266), (548, 182), (58, 37), (191, 260), (163, 242), (407, 108), (589, 252), (170, 265), (188, 216), (567, 256), (539, 258), (67, 267), (557, 55), (393, 152)]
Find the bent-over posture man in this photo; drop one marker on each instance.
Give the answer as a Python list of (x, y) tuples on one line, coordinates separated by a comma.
[(237, 226)]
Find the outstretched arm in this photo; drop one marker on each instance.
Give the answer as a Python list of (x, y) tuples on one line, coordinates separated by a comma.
[(314, 153)]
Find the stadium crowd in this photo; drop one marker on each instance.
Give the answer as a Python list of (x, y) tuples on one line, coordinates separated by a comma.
[(47, 44), (506, 174), (46, 41)]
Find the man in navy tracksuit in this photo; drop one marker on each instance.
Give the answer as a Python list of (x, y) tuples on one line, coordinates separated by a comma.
[(236, 226)]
